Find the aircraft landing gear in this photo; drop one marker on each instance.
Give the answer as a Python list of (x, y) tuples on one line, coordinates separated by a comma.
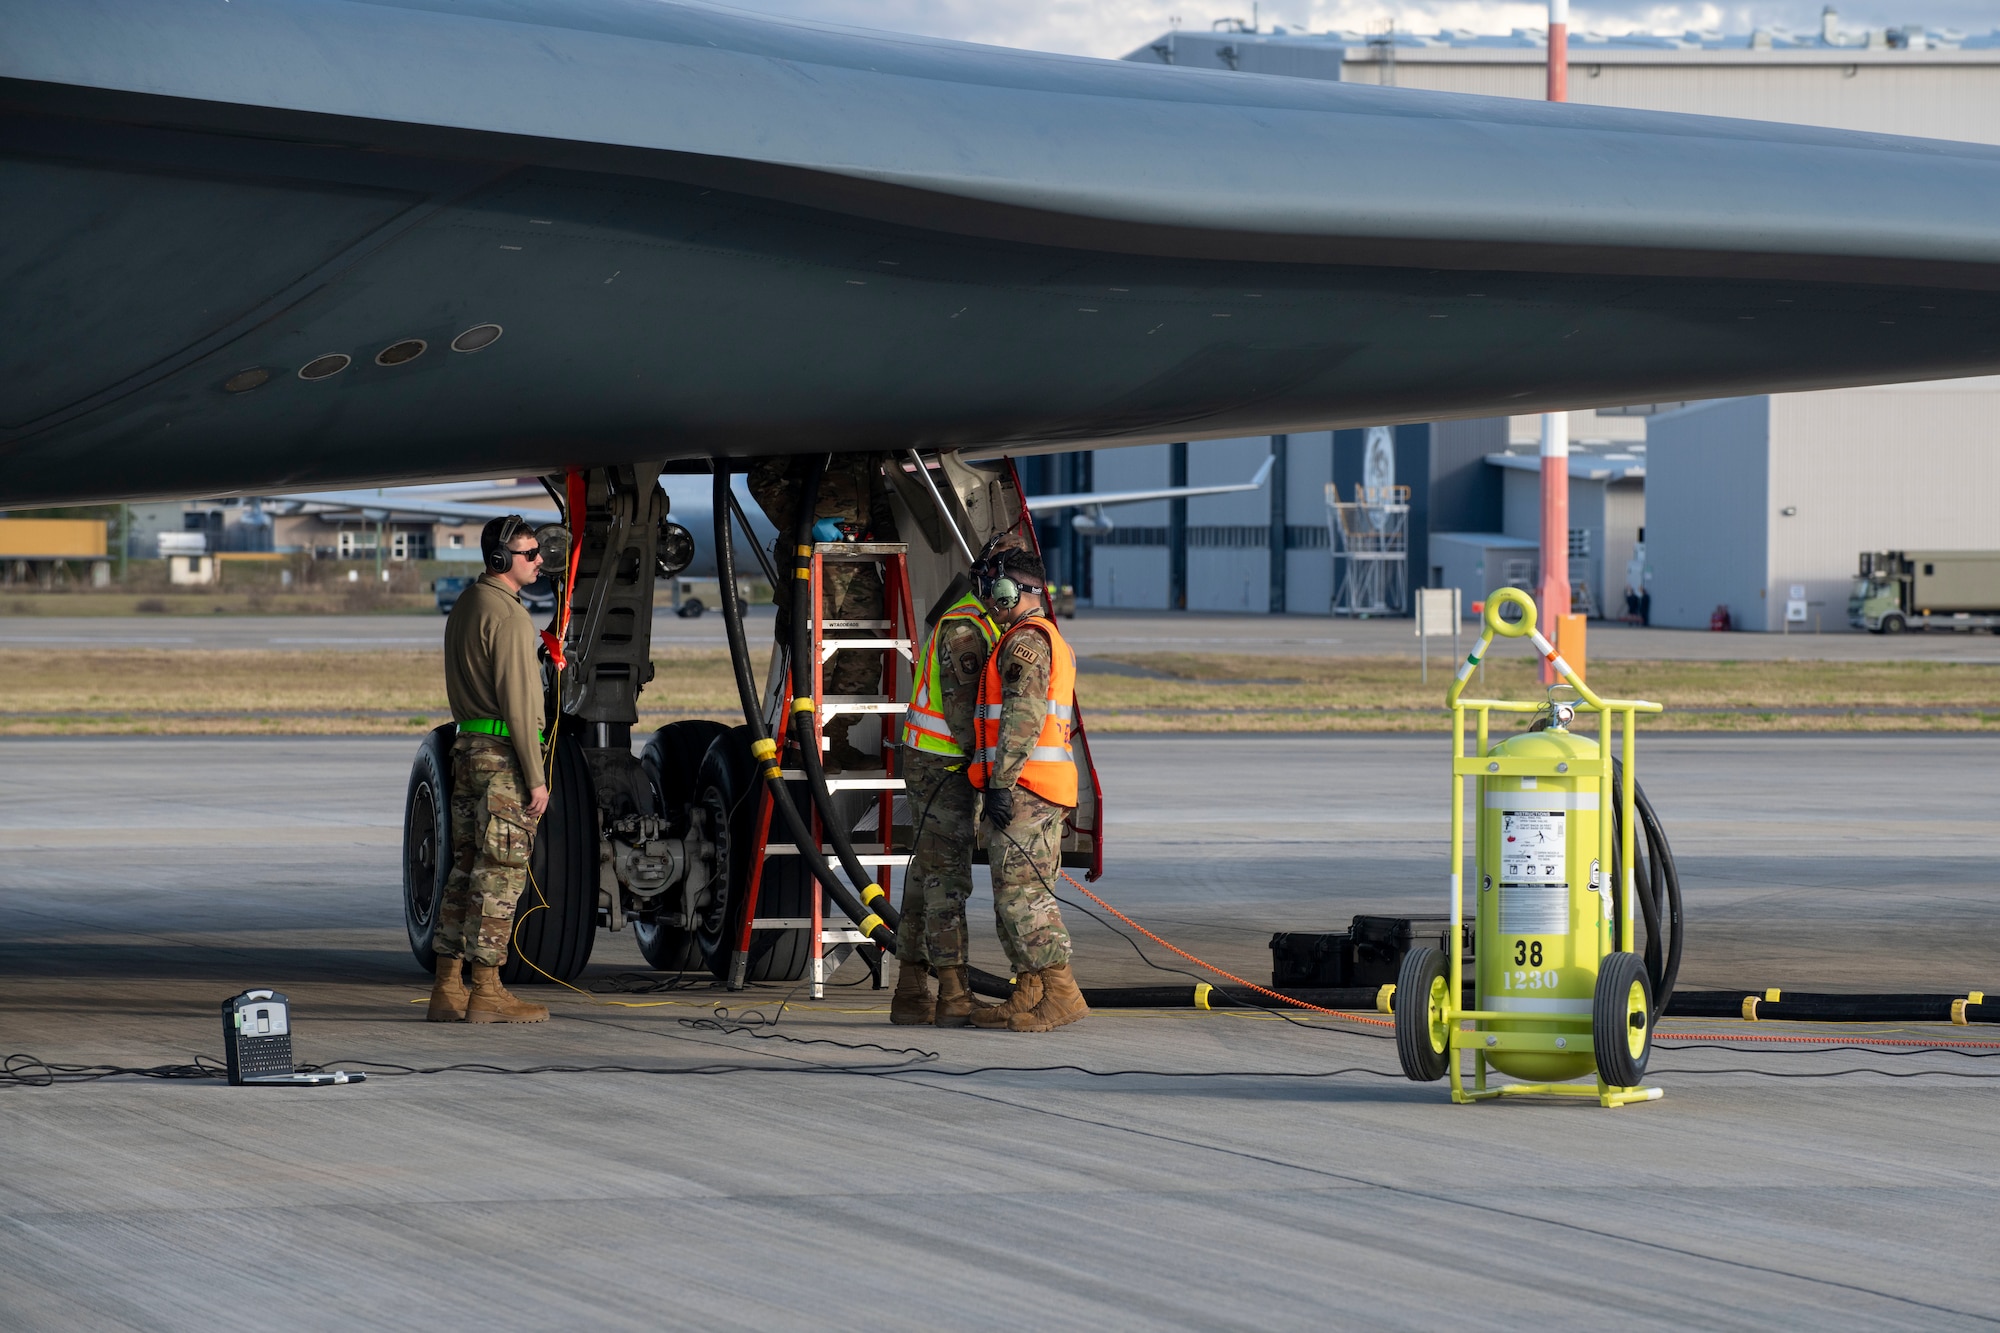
[(605, 852)]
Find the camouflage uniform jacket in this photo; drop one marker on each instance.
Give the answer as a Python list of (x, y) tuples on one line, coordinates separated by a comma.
[(852, 491), (491, 671), (961, 651), (1024, 696)]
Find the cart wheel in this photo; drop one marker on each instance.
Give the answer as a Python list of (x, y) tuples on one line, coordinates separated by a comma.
[(1422, 1001), (1621, 1020)]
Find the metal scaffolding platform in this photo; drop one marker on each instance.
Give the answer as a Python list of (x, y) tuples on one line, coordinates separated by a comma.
[(1370, 536)]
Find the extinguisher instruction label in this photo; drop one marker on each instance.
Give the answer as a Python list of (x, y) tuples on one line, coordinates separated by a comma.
[(1534, 882)]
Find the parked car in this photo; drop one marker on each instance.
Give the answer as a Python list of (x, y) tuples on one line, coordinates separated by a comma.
[(538, 597)]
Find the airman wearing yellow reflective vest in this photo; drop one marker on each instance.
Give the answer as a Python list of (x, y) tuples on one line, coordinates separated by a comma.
[(1026, 772), (937, 746)]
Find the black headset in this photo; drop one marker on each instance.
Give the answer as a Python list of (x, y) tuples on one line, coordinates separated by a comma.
[(500, 559)]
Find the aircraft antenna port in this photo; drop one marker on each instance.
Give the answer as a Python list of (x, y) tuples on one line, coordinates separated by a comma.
[(476, 337), (395, 354), (325, 367)]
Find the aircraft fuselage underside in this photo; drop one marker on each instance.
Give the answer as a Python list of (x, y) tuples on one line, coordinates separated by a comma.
[(152, 273)]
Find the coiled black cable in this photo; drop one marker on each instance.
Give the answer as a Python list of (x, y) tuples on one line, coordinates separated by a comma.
[(1657, 882)]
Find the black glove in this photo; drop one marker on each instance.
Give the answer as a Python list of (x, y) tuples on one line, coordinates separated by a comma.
[(999, 810)]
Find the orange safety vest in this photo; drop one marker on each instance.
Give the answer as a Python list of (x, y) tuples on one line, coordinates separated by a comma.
[(924, 726), (1050, 772)]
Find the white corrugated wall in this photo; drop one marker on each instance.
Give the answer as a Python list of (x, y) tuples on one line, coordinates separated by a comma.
[(1899, 467)]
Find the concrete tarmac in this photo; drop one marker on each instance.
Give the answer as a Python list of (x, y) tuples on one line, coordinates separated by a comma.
[(1093, 631), (1199, 1170)]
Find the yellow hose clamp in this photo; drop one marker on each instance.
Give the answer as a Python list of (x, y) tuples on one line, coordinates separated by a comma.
[(1749, 1008), (1773, 995), (1385, 999), (806, 551), (871, 893), (802, 704), (1958, 1012), (870, 923), (1202, 990), (775, 773), (764, 749)]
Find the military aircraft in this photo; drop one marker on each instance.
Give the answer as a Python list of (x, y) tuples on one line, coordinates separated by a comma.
[(285, 245)]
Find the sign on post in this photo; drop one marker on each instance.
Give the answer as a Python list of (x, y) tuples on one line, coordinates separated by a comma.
[(1437, 613), (1795, 606)]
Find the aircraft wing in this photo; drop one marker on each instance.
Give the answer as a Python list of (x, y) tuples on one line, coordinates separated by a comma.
[(1041, 503), (411, 501), (291, 244)]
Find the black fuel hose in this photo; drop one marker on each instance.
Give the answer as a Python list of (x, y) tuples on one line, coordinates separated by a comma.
[(1815, 1007), (804, 706), (1656, 884), (875, 924), (1191, 996)]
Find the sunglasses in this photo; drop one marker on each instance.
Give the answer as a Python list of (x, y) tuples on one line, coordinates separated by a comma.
[(528, 553)]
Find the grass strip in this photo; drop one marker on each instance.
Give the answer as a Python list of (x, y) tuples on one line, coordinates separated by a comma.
[(154, 691)]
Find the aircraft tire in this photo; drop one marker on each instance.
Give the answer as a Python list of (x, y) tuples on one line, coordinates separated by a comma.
[(427, 842), (555, 922), (672, 760), (725, 792)]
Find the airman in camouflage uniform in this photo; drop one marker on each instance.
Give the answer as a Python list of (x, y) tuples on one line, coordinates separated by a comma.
[(931, 941), (853, 493), (1026, 853), (499, 785), (1024, 839)]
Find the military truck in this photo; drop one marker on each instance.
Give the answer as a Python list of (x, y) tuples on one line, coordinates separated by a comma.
[(1899, 590)]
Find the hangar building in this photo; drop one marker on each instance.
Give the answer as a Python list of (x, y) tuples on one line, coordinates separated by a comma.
[(1270, 551)]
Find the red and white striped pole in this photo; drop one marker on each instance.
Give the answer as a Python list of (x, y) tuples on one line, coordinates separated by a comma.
[(1555, 591), (1559, 50)]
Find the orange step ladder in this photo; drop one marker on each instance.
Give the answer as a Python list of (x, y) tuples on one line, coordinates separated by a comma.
[(894, 637)]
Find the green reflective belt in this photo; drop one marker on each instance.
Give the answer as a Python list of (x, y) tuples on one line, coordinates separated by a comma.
[(488, 726)]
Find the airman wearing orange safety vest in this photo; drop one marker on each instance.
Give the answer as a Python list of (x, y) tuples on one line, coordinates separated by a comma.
[(1023, 765), (937, 746)]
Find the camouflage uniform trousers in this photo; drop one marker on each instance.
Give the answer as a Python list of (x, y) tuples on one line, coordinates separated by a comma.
[(491, 836), (853, 592), (1026, 858), (939, 878)]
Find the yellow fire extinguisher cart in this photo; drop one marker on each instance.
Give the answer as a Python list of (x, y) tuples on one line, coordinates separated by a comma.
[(1556, 996)]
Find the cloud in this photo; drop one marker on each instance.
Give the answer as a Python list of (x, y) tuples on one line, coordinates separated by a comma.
[(1113, 27)]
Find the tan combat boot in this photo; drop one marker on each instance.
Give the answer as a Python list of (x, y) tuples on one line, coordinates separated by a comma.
[(490, 1002), (1061, 1003), (448, 994), (912, 1004), (1027, 994), (955, 1005)]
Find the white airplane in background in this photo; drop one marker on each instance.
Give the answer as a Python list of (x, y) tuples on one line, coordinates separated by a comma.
[(690, 505)]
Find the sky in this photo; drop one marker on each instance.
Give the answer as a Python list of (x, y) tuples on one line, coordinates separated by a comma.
[(1113, 27)]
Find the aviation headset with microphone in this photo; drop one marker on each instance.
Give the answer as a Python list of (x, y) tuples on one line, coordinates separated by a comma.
[(1001, 588), (500, 559)]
